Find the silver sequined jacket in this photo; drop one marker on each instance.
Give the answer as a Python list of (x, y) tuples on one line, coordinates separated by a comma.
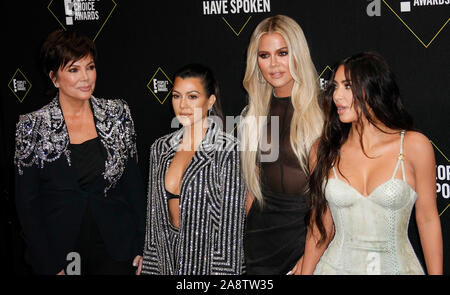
[(49, 201), (42, 137), (212, 209)]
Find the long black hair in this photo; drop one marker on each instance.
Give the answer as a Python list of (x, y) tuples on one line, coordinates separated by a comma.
[(209, 82), (376, 97)]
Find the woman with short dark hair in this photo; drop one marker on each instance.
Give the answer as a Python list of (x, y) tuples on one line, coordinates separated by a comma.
[(78, 187)]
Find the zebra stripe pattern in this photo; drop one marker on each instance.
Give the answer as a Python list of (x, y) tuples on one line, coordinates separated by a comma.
[(212, 209)]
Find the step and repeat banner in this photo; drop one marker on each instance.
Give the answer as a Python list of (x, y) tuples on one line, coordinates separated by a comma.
[(142, 43)]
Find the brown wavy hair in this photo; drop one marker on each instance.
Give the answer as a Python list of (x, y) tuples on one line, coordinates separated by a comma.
[(374, 91)]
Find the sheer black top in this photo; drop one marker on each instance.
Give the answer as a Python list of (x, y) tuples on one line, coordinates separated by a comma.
[(284, 175), (275, 232)]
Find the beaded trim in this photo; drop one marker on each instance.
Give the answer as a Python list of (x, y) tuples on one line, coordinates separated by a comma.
[(42, 137)]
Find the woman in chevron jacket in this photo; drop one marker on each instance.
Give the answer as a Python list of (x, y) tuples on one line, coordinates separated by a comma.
[(196, 196)]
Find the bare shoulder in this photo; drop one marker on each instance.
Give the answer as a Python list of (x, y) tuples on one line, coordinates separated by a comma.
[(417, 143), (418, 149)]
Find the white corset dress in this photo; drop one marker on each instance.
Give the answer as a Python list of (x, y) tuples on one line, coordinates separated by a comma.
[(371, 233)]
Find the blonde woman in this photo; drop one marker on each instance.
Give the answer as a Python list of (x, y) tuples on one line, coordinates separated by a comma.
[(281, 122)]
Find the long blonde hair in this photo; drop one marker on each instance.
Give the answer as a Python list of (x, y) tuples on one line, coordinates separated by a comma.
[(307, 120)]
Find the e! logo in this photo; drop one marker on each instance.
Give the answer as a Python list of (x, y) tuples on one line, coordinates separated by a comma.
[(68, 8)]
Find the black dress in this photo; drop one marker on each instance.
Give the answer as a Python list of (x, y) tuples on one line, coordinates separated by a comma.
[(55, 182), (275, 233), (88, 159)]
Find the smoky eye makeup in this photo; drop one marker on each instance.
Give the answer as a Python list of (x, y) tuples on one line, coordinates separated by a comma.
[(175, 94), (283, 51), (193, 94), (263, 54)]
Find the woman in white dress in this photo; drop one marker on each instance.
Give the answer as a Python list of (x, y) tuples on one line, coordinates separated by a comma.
[(368, 171)]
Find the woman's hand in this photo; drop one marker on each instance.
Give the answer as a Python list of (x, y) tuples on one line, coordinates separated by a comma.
[(137, 262), (297, 270)]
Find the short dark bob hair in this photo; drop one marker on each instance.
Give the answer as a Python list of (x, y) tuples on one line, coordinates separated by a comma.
[(64, 46)]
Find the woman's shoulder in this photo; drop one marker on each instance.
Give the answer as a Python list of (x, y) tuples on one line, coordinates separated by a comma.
[(40, 136), (46, 117), (164, 141), (225, 144), (109, 101), (417, 143), (418, 152), (115, 107), (415, 135), (44, 111), (164, 138), (227, 137)]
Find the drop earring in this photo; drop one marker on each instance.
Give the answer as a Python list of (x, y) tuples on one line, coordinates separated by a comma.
[(260, 77)]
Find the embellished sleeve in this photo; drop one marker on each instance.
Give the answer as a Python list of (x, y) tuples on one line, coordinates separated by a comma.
[(230, 260), (150, 259), (116, 129), (41, 137), (130, 134), (26, 139), (27, 193)]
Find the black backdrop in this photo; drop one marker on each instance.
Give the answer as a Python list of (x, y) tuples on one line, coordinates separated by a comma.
[(142, 43)]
